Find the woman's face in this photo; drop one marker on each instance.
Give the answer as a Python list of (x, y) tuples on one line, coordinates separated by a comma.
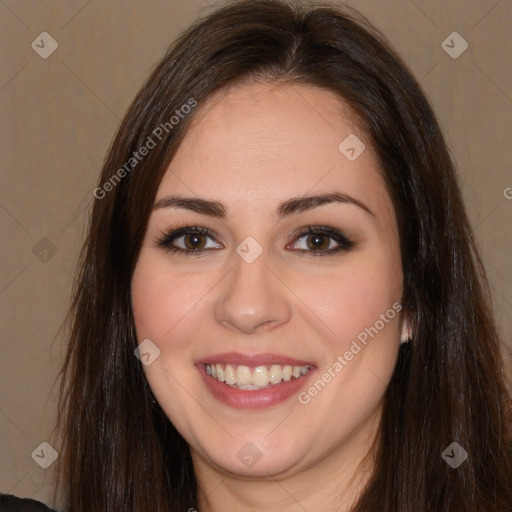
[(266, 285)]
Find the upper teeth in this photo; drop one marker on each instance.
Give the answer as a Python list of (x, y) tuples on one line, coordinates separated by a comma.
[(245, 377)]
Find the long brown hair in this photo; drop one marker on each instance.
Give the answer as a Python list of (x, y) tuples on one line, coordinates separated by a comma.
[(119, 451)]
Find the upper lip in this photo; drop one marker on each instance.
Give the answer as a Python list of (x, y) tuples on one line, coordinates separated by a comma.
[(254, 360)]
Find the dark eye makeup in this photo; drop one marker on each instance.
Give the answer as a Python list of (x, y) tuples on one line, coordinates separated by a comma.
[(318, 240)]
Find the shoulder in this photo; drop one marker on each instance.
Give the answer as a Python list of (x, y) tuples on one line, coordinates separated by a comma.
[(10, 503)]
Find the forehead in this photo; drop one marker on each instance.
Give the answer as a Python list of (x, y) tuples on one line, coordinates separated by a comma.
[(263, 142)]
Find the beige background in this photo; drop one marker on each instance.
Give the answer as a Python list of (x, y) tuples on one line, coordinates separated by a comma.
[(58, 116)]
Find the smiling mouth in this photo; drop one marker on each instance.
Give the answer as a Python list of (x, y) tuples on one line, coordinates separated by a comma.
[(254, 378)]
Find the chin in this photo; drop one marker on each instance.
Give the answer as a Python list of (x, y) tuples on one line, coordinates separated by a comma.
[(250, 462)]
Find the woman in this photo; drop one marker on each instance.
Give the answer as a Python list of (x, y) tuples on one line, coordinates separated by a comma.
[(280, 303)]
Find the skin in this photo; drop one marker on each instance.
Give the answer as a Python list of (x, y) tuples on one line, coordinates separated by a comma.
[(252, 147)]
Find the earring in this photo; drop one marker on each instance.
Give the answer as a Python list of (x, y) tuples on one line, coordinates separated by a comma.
[(408, 335)]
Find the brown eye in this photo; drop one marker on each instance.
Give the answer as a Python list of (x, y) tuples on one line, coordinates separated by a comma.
[(189, 240), (321, 241), (194, 241), (315, 242)]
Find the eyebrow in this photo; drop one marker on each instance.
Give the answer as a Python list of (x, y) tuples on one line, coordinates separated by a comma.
[(290, 206)]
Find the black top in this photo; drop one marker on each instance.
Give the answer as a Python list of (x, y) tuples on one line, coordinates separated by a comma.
[(10, 503)]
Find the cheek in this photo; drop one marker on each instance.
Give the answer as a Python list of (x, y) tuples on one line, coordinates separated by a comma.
[(165, 307), (361, 307), (161, 300), (352, 299)]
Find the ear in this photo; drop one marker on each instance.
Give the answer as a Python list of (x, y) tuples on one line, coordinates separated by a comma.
[(406, 331)]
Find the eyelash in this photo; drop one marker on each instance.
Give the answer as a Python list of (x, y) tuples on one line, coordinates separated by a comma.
[(166, 239)]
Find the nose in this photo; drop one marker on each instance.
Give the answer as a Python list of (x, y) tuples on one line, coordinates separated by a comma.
[(252, 297)]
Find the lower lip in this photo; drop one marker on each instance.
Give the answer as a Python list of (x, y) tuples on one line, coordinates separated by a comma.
[(257, 399)]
